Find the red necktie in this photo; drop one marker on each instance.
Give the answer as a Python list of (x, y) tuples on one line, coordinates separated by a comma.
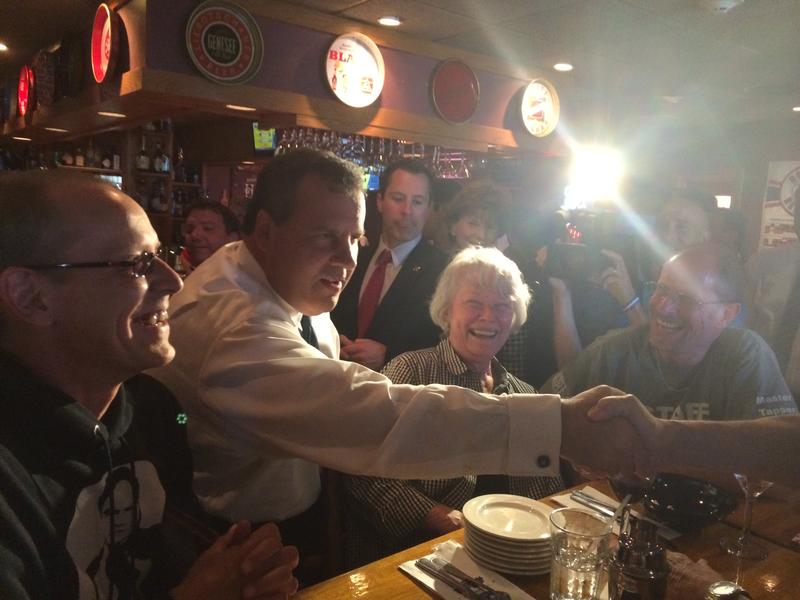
[(372, 293)]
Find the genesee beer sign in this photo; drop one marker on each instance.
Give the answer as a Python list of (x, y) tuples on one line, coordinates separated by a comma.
[(224, 42)]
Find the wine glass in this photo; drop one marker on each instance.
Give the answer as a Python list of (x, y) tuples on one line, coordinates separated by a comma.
[(743, 546)]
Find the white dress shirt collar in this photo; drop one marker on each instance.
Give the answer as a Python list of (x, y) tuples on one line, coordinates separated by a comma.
[(400, 252)]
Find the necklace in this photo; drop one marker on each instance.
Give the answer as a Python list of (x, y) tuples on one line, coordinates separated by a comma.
[(666, 380)]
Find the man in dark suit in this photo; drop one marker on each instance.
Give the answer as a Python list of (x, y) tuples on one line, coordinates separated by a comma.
[(383, 311)]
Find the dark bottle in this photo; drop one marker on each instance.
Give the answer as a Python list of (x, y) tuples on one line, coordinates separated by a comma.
[(180, 168), (639, 570), (142, 159), (158, 162)]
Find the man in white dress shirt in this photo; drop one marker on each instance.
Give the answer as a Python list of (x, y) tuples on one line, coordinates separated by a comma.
[(266, 407)]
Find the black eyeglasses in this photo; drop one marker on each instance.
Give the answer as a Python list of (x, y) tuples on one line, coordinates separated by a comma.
[(684, 301), (139, 265)]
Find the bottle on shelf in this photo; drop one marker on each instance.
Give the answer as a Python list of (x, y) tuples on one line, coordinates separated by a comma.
[(158, 198), (105, 161), (91, 156), (115, 160), (178, 203), (180, 168), (67, 158), (165, 162), (80, 158), (157, 163), (143, 159)]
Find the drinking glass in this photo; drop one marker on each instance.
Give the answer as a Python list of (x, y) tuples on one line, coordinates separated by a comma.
[(580, 540), (744, 546)]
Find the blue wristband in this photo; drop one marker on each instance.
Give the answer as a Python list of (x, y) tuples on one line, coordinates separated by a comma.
[(631, 304)]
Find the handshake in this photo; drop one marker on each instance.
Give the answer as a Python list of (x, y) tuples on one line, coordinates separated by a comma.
[(605, 430)]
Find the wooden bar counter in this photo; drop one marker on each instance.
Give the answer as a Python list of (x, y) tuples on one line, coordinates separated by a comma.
[(776, 578)]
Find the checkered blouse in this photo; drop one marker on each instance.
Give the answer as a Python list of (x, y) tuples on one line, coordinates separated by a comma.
[(384, 516)]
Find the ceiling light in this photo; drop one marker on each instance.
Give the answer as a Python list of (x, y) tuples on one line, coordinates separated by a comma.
[(563, 67), (248, 162), (21, 139), (390, 21), (240, 107), (796, 108), (57, 130), (3, 47), (113, 115)]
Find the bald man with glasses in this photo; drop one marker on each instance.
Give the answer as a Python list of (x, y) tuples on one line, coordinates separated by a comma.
[(687, 362), (92, 457)]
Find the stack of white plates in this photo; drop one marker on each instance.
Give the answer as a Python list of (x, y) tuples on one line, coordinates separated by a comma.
[(510, 534)]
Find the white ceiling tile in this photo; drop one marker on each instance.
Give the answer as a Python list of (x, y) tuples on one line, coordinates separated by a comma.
[(419, 19)]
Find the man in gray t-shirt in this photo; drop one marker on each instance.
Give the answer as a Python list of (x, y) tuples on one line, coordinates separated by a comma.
[(686, 363)]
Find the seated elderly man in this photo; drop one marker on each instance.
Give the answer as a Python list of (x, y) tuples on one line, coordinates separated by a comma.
[(687, 363), (88, 465), (479, 300)]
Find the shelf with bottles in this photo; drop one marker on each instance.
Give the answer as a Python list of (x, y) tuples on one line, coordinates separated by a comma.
[(155, 148), (90, 156), (187, 184), (98, 170), (151, 175)]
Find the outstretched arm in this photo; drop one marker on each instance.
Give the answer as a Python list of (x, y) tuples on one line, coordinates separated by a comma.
[(766, 448)]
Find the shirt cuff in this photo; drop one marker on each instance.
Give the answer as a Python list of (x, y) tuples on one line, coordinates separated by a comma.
[(534, 434)]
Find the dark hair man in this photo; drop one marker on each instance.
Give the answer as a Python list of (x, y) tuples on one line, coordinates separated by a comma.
[(83, 303), (686, 363), (384, 310), (208, 227), (269, 400)]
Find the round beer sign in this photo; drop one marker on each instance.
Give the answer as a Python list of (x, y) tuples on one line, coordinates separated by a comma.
[(224, 42), (455, 91), (355, 71), (104, 42), (26, 91), (540, 108)]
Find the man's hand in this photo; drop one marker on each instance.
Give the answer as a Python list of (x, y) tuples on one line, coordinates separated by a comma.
[(442, 519), (649, 428), (242, 564), (612, 447), (367, 352), (617, 282)]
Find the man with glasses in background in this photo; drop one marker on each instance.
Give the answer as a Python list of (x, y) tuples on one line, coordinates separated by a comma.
[(686, 363)]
